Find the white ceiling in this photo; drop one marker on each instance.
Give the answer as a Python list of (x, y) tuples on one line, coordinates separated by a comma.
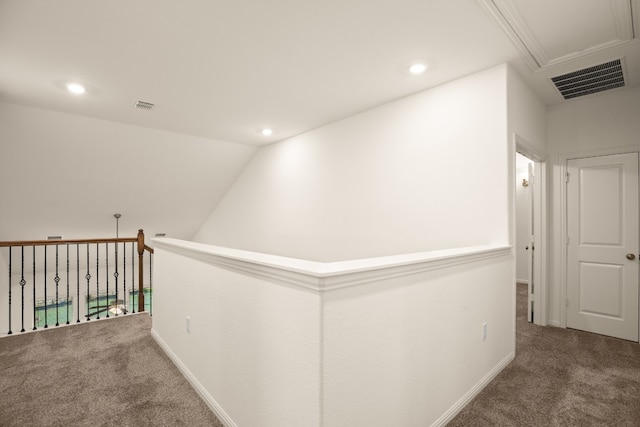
[(224, 69), (559, 37), (219, 70)]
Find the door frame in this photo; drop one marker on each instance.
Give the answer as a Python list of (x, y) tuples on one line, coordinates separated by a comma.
[(540, 219), (563, 160)]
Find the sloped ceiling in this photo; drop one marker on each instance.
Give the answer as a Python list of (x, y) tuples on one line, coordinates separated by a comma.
[(224, 69), (221, 70), (65, 174)]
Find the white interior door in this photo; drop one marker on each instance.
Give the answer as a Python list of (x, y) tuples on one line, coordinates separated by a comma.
[(603, 240)]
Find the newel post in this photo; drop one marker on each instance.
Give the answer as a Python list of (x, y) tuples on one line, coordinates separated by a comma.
[(140, 270)]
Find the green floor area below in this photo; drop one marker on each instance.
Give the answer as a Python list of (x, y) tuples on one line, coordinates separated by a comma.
[(104, 305)]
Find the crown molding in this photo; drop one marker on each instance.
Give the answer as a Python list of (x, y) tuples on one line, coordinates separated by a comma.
[(513, 23)]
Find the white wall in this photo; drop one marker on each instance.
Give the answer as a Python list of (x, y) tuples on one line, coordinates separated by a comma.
[(608, 120), (67, 174), (253, 345), (426, 172), (410, 351), (378, 342), (600, 124), (527, 133), (527, 115)]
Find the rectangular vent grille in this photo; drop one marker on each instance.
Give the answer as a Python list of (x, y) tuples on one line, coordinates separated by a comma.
[(143, 105), (590, 80)]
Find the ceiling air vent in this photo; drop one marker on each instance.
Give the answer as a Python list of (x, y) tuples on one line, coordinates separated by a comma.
[(142, 105), (590, 80)]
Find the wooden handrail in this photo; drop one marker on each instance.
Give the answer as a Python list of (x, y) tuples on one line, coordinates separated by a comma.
[(64, 242), (15, 243)]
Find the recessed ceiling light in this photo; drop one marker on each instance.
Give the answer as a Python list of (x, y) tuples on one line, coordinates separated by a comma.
[(266, 131), (76, 88), (417, 68)]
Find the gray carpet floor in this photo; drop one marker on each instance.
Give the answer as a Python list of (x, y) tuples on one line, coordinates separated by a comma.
[(100, 373), (560, 377), (113, 373)]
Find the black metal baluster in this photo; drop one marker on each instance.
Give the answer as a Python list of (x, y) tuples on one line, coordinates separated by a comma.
[(78, 281), (124, 278), (67, 297), (10, 262), (57, 280), (133, 277), (88, 277), (22, 283), (46, 318), (35, 322), (115, 276), (106, 245), (150, 284), (98, 279)]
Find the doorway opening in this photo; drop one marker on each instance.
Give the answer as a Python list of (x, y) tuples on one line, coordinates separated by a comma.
[(524, 244), (530, 235)]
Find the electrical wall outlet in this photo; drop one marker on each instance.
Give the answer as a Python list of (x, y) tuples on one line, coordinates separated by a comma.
[(188, 324), (484, 331)]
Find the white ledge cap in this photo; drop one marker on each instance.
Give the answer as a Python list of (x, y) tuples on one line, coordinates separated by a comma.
[(329, 275)]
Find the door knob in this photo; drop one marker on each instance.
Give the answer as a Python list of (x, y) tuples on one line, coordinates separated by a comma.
[(631, 257)]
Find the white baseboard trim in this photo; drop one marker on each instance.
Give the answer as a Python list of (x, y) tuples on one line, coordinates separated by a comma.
[(555, 323), (204, 394), (468, 396), (522, 281)]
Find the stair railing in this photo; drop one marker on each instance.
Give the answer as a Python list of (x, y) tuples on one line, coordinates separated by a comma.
[(34, 282)]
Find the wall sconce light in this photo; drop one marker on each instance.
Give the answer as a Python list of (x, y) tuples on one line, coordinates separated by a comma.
[(525, 183)]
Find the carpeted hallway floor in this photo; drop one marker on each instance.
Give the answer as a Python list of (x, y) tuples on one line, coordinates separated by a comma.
[(100, 373), (113, 373), (560, 377)]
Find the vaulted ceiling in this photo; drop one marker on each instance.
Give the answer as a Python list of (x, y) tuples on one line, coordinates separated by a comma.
[(226, 69), (222, 70)]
